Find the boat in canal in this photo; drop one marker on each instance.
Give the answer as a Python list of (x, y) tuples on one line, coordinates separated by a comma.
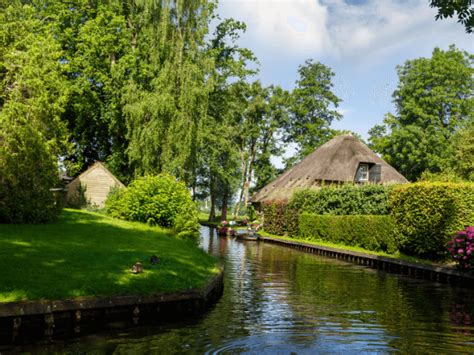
[(246, 234)]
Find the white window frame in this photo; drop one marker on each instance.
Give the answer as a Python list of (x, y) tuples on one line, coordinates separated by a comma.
[(359, 177)]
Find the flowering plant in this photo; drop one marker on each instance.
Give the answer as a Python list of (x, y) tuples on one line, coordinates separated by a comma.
[(461, 248)]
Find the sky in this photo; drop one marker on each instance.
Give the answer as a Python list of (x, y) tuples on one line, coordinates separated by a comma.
[(361, 40)]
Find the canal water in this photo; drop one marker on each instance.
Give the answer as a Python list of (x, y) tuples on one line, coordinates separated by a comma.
[(280, 300)]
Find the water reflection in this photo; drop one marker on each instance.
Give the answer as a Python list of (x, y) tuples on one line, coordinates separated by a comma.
[(282, 300)]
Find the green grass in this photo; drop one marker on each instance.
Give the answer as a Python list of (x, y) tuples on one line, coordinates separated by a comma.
[(322, 243), (90, 254)]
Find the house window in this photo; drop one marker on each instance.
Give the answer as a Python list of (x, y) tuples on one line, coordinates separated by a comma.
[(362, 174)]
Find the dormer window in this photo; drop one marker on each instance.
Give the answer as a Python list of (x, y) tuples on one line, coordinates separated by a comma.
[(362, 174)]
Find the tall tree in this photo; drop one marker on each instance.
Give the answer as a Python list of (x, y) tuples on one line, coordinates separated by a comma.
[(256, 134), (220, 164), (463, 157), (33, 94), (313, 108), (433, 99), (165, 106)]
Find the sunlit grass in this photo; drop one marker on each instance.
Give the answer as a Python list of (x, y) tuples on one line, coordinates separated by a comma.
[(343, 247), (90, 254)]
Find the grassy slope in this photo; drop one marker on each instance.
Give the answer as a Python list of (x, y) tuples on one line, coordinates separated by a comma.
[(86, 254), (321, 243)]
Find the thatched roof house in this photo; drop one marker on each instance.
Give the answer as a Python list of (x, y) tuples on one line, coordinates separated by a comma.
[(341, 160), (97, 182)]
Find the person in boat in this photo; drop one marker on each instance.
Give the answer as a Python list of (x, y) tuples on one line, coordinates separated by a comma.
[(223, 228)]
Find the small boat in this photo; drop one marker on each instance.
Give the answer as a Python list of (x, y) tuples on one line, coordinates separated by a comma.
[(246, 234)]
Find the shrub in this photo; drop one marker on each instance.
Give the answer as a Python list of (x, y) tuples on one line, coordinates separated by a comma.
[(343, 200), (370, 232), (428, 213), (461, 248), (280, 218), (78, 200), (156, 200)]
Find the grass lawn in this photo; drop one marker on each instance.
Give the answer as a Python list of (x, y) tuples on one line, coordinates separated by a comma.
[(89, 254), (322, 243)]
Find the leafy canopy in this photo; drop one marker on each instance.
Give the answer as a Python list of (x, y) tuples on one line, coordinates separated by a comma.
[(434, 100)]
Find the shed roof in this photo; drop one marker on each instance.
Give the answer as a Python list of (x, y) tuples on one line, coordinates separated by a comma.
[(335, 161), (100, 165)]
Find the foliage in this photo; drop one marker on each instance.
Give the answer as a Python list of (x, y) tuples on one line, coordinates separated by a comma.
[(461, 248), (462, 8), (343, 200), (463, 157), (27, 173), (370, 232), (90, 254), (78, 199), (434, 99), (33, 94), (279, 218), (156, 200), (447, 175), (219, 162), (313, 108), (428, 213)]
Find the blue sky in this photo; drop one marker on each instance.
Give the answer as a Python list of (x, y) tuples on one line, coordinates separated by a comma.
[(361, 40)]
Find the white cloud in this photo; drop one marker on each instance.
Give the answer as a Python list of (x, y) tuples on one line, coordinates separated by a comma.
[(296, 25), (333, 28)]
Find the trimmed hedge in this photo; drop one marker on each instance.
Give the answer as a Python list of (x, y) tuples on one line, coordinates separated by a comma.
[(343, 200), (280, 218), (427, 214), (375, 233)]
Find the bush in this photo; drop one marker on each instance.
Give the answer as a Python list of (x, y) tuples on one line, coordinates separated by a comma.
[(280, 218), (428, 213), (461, 248), (369, 232), (343, 200), (156, 200)]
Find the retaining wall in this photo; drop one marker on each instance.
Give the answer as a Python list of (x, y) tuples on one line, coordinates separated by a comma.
[(433, 273), (45, 321)]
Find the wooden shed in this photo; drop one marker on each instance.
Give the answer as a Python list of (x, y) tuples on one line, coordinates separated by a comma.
[(344, 159), (96, 183)]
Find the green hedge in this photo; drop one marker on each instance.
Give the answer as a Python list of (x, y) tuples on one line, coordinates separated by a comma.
[(279, 218), (156, 200), (375, 233), (343, 200), (428, 213)]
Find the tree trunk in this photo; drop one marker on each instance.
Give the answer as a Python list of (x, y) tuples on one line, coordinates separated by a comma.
[(249, 174), (212, 212), (224, 207)]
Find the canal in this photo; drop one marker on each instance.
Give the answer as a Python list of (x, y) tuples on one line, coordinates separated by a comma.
[(280, 300)]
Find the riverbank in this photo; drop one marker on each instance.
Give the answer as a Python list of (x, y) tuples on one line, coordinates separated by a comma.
[(88, 254), (399, 264)]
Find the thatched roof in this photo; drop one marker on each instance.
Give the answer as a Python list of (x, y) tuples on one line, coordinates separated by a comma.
[(336, 161)]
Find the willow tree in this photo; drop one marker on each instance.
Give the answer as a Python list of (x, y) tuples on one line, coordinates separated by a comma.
[(166, 97)]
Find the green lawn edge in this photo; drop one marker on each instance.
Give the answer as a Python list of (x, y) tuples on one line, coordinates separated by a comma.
[(343, 247), (90, 254)]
